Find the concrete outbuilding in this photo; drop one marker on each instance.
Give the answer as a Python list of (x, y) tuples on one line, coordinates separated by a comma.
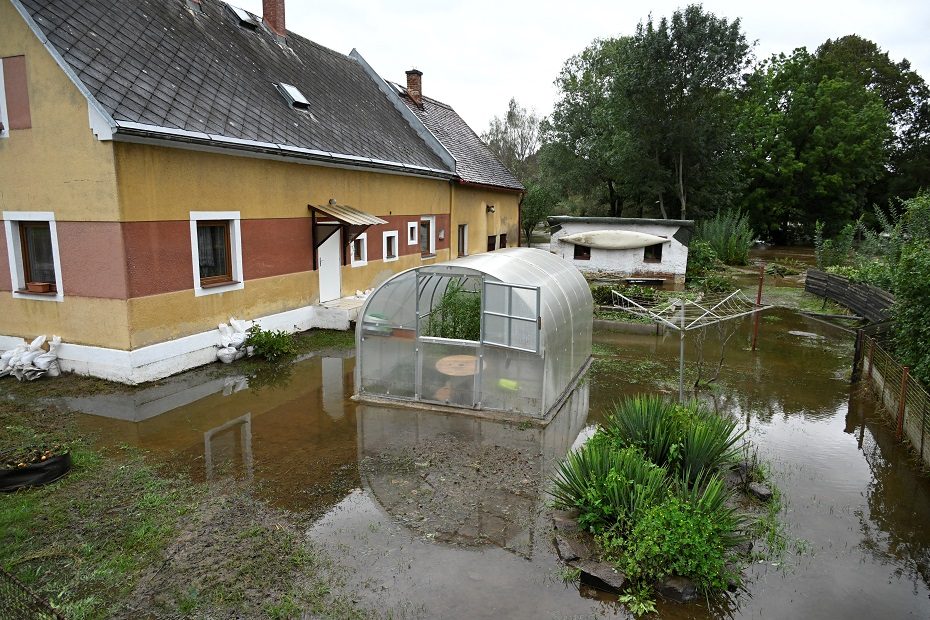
[(630, 248)]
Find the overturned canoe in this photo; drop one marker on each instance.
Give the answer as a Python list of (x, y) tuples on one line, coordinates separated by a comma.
[(35, 474), (614, 239)]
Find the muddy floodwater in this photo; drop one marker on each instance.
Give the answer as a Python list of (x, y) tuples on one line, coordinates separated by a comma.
[(444, 516)]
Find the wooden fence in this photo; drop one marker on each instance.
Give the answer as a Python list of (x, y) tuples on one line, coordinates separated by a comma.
[(867, 301)]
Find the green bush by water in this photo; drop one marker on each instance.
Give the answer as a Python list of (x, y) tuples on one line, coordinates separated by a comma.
[(457, 314), (729, 234), (701, 258), (271, 344)]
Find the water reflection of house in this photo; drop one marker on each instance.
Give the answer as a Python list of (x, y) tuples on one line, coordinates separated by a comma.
[(296, 440), (631, 248), (167, 164), (463, 480)]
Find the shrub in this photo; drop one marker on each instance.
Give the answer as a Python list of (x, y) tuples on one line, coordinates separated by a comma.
[(610, 488), (910, 312), (674, 537), (832, 252), (602, 295), (729, 234), (716, 283), (457, 315), (701, 258), (687, 441), (272, 345)]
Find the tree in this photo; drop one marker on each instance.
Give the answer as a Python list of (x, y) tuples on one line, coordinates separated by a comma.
[(814, 146), (514, 139), (538, 203)]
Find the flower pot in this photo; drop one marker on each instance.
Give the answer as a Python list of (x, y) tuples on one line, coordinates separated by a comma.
[(38, 287)]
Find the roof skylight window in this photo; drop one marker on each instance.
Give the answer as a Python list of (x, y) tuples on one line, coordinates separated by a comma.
[(245, 18), (293, 96)]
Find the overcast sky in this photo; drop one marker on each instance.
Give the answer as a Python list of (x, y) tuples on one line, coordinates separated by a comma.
[(476, 55)]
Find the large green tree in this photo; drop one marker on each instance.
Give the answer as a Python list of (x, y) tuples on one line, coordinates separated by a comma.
[(514, 139), (813, 146)]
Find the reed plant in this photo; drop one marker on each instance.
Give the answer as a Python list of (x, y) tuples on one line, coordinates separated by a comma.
[(729, 234)]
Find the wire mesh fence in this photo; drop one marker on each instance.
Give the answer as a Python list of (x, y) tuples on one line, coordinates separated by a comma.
[(904, 399), (19, 602)]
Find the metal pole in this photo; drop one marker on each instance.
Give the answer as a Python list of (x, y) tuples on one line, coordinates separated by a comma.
[(857, 358), (923, 431), (902, 399), (681, 357), (755, 323), (871, 355)]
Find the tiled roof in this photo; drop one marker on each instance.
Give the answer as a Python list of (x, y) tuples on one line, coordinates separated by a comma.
[(156, 62), (475, 163)]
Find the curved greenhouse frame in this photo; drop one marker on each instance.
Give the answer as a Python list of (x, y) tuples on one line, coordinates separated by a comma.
[(504, 331)]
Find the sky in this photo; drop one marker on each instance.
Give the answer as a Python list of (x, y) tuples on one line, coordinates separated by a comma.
[(476, 55)]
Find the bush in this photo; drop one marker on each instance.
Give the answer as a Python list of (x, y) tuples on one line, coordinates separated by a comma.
[(457, 315), (911, 312), (602, 295), (272, 345), (716, 283), (610, 488), (701, 258), (729, 234), (675, 537), (833, 252)]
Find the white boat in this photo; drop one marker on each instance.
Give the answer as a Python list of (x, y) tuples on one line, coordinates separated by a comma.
[(614, 239)]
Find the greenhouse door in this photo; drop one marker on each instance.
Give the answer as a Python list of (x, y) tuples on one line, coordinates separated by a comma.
[(510, 316)]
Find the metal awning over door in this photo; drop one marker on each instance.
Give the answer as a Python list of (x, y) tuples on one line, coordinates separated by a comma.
[(351, 220)]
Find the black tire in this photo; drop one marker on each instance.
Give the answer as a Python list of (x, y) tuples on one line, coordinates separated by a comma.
[(36, 474)]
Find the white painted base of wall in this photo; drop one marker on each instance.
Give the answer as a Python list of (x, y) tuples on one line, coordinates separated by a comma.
[(164, 359)]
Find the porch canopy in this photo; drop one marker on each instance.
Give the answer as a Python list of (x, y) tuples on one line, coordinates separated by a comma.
[(508, 331), (350, 220)]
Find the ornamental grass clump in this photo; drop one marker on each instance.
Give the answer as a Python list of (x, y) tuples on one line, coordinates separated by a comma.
[(649, 486), (729, 234)]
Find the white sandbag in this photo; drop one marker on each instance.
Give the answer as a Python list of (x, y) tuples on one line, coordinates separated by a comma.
[(226, 354), (240, 326), (225, 334), (237, 340), (240, 353), (6, 360), (43, 361), (37, 343), (26, 358), (54, 369)]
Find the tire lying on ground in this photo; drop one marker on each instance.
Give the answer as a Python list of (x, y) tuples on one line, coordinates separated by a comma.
[(35, 474)]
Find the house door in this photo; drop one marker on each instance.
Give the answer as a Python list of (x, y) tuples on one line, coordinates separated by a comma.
[(330, 267)]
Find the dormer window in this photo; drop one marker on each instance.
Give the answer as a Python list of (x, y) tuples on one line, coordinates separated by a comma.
[(246, 19), (294, 97)]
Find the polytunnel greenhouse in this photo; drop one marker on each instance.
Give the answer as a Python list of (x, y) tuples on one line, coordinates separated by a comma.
[(508, 331)]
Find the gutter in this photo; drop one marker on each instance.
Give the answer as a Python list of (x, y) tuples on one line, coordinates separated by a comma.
[(126, 131), (498, 188)]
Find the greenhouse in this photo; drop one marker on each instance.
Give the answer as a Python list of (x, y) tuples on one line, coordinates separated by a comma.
[(508, 331)]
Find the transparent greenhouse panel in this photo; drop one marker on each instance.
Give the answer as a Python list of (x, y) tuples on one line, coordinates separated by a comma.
[(495, 299), (448, 373), (387, 366), (392, 306), (512, 381), (523, 303)]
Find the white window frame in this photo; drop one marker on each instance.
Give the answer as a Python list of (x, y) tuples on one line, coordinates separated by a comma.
[(413, 233), (14, 249), (432, 234), (384, 246), (4, 116), (359, 261), (235, 240)]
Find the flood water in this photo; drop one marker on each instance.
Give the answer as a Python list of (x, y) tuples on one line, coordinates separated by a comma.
[(443, 516)]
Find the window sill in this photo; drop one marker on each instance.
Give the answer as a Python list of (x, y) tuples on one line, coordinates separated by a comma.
[(358, 263), (652, 261), (27, 294), (218, 284), (217, 287), (427, 256), (390, 259)]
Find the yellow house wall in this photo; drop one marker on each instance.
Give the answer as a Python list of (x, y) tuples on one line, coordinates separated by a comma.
[(158, 183), (57, 165), (469, 206)]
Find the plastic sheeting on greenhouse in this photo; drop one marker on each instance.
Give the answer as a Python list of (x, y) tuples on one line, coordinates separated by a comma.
[(507, 331)]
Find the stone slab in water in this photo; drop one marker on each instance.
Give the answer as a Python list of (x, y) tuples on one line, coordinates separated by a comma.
[(564, 549), (600, 575), (760, 491), (679, 589)]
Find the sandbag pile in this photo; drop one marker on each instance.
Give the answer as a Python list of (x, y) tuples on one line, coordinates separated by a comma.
[(232, 341), (28, 362)]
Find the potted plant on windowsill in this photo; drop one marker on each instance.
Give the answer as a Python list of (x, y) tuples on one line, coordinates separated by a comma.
[(38, 287)]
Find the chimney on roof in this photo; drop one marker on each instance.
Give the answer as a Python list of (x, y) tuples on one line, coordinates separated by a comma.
[(415, 86), (273, 16)]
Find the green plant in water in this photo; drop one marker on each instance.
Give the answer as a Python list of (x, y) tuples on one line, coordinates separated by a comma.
[(457, 314), (701, 258), (832, 252), (729, 234), (271, 344)]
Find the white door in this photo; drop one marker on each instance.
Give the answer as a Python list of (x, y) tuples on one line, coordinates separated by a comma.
[(330, 268)]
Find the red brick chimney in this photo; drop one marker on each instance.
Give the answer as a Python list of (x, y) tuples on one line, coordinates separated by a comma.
[(273, 16), (415, 86)]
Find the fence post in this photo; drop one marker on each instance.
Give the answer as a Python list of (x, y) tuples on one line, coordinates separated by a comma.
[(923, 430), (902, 398), (871, 355), (857, 358), (755, 322)]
